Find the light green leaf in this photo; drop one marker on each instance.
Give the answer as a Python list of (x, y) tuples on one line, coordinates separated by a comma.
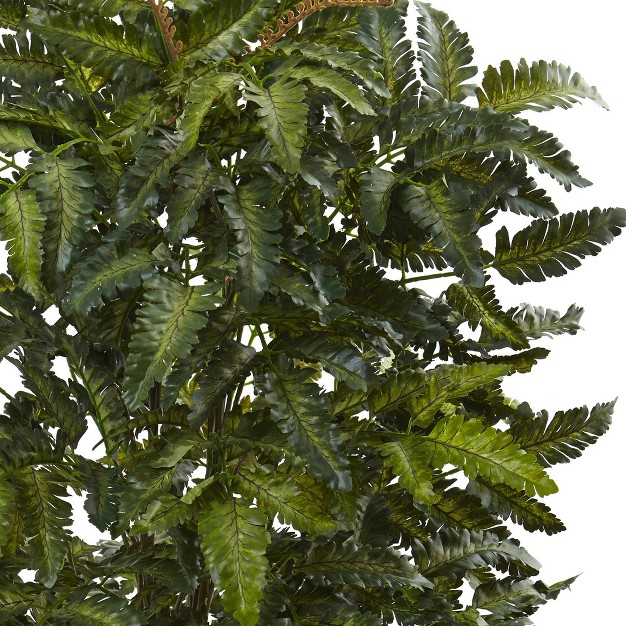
[(539, 87), (15, 138), (234, 541)]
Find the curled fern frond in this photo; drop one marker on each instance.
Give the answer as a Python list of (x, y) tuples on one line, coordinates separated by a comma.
[(304, 9), (169, 30)]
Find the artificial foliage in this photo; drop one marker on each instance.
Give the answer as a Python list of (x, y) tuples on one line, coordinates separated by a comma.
[(220, 218)]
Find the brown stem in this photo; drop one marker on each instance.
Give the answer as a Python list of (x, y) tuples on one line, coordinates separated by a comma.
[(308, 7), (167, 27)]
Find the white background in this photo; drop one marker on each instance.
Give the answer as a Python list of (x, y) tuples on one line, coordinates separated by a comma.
[(587, 368)]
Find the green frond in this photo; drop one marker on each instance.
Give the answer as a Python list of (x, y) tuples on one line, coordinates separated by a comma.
[(445, 54), (46, 518), (162, 515), (28, 61), (230, 363), (303, 413), (166, 328), (548, 248), (376, 188), (53, 395), (350, 563), (254, 217), (220, 29), (65, 196), (536, 322), (565, 436), (338, 59), (15, 600), (480, 307), (8, 495), (196, 181), (340, 359), (333, 81), (482, 450), (112, 50), (538, 87), (99, 276), (280, 495), (22, 224), (445, 215), (15, 138), (508, 503), (102, 485), (405, 457), (452, 553), (234, 541), (139, 184), (11, 13), (382, 32), (99, 609), (282, 113)]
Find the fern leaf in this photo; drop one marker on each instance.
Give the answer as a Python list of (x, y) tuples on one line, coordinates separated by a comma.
[(221, 29), (338, 59), (64, 193), (46, 518), (376, 188), (166, 328), (507, 502), (254, 218), (304, 415), (98, 277), (228, 365), (111, 50), (11, 13), (445, 215), (481, 450), (548, 248), (536, 322), (565, 436), (445, 54), (15, 599), (102, 485), (326, 78), (452, 553), (15, 138), (404, 456), (281, 495), (479, 306), (8, 495), (359, 565), (234, 541), (22, 225), (282, 114), (99, 609), (383, 33), (28, 62), (140, 182), (196, 181), (538, 87)]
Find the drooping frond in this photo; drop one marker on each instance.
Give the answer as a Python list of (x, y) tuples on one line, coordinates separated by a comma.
[(99, 609), (27, 60), (102, 485), (536, 321), (166, 328), (481, 450), (254, 217), (65, 196), (234, 540), (538, 87), (111, 50), (282, 114), (445, 54), (22, 225), (480, 307), (565, 436), (522, 509), (550, 248), (446, 216), (303, 414)]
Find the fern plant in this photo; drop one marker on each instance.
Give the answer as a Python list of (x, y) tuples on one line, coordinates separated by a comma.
[(232, 235)]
